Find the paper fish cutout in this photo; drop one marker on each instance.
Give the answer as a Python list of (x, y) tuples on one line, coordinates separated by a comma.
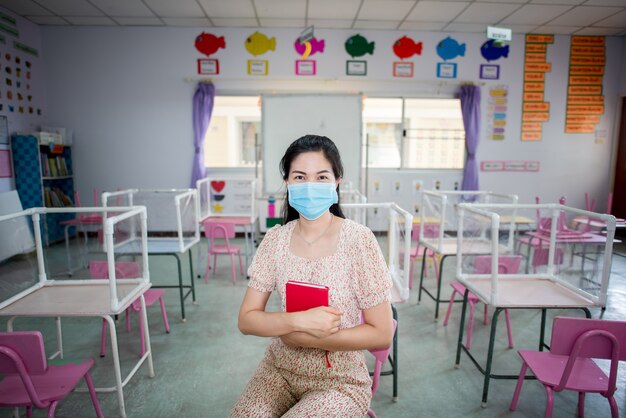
[(491, 50), (208, 44), (218, 186), (259, 44), (406, 47), (218, 197), (449, 49), (357, 46), (314, 46)]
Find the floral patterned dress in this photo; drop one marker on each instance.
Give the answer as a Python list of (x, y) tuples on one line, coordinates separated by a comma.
[(295, 381)]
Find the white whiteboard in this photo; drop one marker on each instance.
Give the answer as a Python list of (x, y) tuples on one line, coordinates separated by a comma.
[(286, 118)]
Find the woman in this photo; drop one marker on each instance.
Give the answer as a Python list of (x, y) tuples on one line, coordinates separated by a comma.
[(316, 366)]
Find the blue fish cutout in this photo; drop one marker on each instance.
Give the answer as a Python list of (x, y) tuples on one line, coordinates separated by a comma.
[(492, 50), (449, 49)]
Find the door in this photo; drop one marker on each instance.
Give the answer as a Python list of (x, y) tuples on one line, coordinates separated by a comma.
[(619, 186)]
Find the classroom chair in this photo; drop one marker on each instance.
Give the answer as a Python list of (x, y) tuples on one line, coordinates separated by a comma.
[(507, 264), (221, 230), (123, 270), (430, 231), (569, 364), (30, 381), (381, 355)]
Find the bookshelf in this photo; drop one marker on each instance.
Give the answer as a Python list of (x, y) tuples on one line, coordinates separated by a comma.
[(44, 177)]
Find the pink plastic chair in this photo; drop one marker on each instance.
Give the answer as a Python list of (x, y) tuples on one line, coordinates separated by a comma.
[(30, 381), (430, 231), (215, 229), (381, 355), (508, 264), (569, 365), (125, 270)]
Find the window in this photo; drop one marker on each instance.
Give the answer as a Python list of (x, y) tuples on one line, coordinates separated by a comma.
[(413, 133), (233, 136)]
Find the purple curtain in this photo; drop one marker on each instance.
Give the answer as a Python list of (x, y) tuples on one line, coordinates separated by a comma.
[(203, 100), (470, 108)]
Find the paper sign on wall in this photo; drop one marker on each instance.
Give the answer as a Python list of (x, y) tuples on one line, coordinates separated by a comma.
[(535, 110)]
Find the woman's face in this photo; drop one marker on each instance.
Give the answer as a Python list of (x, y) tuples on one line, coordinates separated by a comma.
[(311, 167)]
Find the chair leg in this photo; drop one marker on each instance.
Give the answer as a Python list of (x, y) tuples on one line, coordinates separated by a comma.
[(240, 263), (103, 339), (486, 315), (29, 411), (92, 395), (52, 408), (141, 336), (436, 264), (550, 403), (518, 387), (581, 404), (164, 314), (470, 325), (614, 413), (232, 267), (127, 321), (214, 264), (509, 332), (445, 320), (208, 268)]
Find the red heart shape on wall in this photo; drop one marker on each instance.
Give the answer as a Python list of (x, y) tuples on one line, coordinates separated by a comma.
[(218, 186)]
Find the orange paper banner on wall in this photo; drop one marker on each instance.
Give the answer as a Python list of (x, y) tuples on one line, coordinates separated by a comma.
[(531, 126), (538, 67), (585, 79), (536, 107), (586, 69), (582, 90), (536, 47), (582, 119), (534, 76), (583, 60), (535, 116), (535, 57), (588, 40), (582, 110), (541, 39), (533, 97), (580, 129), (534, 87), (585, 100), (531, 136), (587, 50)]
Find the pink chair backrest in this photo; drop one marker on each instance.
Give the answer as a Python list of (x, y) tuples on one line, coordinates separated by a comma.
[(29, 346), (430, 231), (565, 331), (507, 264), (123, 269), (216, 229)]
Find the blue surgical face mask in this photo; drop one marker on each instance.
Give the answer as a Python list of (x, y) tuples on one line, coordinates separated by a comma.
[(311, 200)]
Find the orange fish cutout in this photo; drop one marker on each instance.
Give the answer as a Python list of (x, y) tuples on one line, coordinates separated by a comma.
[(406, 47)]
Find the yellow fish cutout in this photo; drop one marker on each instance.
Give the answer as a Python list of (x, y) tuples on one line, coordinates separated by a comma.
[(217, 208), (259, 44)]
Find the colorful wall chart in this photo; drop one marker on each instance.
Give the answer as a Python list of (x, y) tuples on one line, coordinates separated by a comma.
[(535, 110), (496, 117), (585, 101)]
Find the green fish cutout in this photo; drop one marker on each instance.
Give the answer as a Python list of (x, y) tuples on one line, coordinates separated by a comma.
[(258, 44), (357, 46)]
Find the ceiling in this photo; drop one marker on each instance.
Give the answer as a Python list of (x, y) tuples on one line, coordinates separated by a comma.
[(579, 17)]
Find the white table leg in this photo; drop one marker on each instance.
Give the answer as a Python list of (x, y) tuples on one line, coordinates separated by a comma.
[(146, 331), (116, 364), (59, 336)]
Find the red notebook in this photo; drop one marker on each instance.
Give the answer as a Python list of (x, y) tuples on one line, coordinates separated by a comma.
[(304, 296)]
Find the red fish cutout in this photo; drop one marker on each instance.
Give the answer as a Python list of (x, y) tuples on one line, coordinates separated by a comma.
[(405, 47), (208, 44), (218, 186)]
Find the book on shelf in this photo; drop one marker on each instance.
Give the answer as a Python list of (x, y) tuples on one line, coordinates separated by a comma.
[(53, 167), (55, 198), (301, 296)]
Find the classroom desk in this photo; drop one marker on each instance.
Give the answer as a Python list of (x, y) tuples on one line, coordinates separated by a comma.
[(88, 299), (79, 223), (517, 293), (448, 248), (167, 247)]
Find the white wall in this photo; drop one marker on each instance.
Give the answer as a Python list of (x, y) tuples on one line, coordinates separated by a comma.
[(123, 91)]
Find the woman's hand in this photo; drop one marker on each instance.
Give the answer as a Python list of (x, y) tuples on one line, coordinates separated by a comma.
[(318, 322)]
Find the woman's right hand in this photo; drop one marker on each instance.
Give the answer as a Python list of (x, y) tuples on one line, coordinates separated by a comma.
[(319, 322)]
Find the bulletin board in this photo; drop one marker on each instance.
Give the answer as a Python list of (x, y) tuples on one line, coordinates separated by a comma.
[(286, 118)]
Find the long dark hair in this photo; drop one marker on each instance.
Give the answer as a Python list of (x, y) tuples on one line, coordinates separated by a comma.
[(311, 143)]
